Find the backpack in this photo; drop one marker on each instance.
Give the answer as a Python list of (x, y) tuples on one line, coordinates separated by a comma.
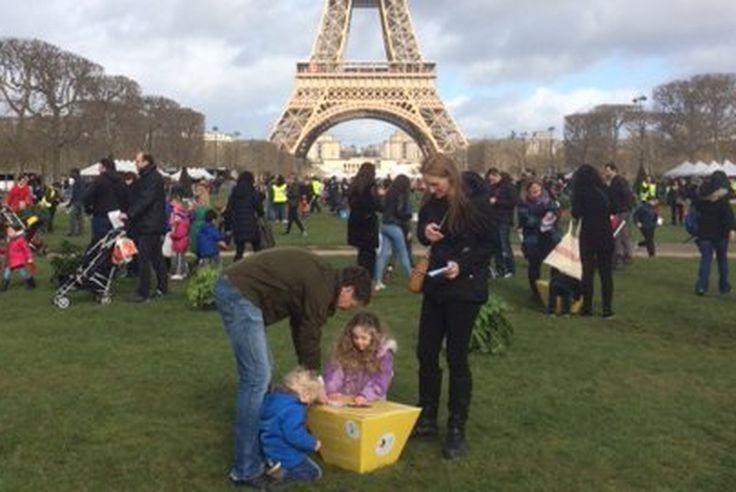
[(692, 220)]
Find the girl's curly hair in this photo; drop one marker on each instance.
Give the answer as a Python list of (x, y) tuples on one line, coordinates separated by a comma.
[(348, 357)]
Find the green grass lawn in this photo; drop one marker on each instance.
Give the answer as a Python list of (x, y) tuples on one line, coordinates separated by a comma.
[(140, 397)]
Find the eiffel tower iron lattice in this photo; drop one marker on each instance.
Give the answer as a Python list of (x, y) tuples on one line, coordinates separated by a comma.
[(401, 91)]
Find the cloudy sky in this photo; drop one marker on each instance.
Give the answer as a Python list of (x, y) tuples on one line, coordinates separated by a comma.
[(503, 66)]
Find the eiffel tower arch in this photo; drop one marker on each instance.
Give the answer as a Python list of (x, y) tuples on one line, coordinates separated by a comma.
[(401, 91)]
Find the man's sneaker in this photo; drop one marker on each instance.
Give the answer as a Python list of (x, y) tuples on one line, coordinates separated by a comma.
[(379, 286), (158, 293), (177, 277), (508, 275)]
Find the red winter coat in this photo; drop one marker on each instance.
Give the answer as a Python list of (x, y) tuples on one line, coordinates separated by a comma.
[(18, 252), (179, 230), (19, 194)]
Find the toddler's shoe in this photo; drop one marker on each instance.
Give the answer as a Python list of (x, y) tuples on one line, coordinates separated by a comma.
[(273, 470)]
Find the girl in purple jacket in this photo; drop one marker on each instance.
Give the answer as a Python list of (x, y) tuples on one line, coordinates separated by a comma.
[(362, 363)]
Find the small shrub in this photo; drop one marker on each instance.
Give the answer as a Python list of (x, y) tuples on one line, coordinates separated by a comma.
[(201, 288), (65, 261), (492, 333)]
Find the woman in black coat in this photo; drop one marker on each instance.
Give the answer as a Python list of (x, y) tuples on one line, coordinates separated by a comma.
[(592, 205), (455, 220), (363, 221), (244, 207), (715, 228)]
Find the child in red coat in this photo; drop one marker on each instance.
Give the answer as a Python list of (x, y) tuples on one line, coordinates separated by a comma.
[(18, 258), (179, 222)]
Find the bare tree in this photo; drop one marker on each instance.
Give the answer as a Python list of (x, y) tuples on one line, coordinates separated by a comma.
[(20, 98), (697, 117), (65, 80)]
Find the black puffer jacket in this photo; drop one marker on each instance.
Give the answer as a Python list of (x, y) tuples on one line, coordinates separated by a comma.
[(593, 206), (242, 212), (363, 221), (716, 218), (470, 248), (146, 213), (106, 193), (506, 200)]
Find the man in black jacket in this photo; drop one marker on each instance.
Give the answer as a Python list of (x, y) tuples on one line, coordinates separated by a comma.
[(107, 193), (622, 202), (503, 202), (147, 224)]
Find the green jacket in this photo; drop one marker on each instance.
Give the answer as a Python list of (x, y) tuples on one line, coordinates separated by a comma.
[(293, 283)]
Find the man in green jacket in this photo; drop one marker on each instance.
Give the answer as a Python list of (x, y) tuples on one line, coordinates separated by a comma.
[(263, 289)]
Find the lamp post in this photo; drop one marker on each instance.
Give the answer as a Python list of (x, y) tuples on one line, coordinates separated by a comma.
[(551, 131), (215, 130), (639, 102), (236, 142)]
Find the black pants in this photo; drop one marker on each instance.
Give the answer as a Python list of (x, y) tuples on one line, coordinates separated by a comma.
[(678, 213), (367, 259), (535, 271), (240, 248), (603, 261), (149, 255), (294, 218), (452, 321), (648, 241)]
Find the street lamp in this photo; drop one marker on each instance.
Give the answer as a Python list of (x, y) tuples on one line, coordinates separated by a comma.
[(236, 136), (551, 131), (639, 102), (215, 129)]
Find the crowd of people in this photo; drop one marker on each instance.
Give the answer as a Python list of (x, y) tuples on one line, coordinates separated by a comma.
[(465, 223)]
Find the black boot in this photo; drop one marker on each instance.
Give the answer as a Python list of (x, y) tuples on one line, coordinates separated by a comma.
[(30, 283), (454, 446), (426, 425)]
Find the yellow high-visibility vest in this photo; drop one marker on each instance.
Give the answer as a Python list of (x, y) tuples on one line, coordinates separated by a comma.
[(279, 193), (317, 188)]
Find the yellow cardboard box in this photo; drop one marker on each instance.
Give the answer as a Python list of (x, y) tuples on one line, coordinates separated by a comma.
[(362, 439), (543, 288)]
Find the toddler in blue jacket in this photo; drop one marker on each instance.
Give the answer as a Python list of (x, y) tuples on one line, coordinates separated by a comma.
[(285, 441), (209, 241)]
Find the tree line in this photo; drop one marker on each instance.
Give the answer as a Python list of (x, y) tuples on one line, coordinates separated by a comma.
[(692, 119), (59, 110)]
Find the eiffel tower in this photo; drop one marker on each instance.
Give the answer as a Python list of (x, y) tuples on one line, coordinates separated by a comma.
[(401, 91)]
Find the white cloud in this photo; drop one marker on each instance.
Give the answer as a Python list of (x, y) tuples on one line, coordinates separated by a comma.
[(234, 60)]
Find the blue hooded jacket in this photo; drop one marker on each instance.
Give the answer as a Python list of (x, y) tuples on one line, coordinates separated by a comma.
[(207, 240), (284, 436)]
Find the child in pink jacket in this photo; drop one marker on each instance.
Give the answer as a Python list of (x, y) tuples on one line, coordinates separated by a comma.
[(179, 221), (18, 258)]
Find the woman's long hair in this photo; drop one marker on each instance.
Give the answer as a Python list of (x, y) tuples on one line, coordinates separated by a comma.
[(348, 357), (399, 190), (586, 176), (459, 210), (362, 182)]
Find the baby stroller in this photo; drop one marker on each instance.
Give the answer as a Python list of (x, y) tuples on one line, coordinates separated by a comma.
[(100, 264), (31, 224)]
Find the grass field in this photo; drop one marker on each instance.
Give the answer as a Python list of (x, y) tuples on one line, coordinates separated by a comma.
[(140, 397)]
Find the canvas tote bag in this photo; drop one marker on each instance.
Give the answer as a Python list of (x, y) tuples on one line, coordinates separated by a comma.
[(566, 255)]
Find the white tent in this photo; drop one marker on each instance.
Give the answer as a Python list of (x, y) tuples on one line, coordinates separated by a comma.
[(730, 169), (684, 169), (195, 173), (701, 169), (120, 166)]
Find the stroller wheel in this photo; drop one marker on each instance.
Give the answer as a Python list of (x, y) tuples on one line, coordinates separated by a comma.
[(62, 302), (105, 300)]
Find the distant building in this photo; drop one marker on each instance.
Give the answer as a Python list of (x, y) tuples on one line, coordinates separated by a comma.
[(325, 148), (401, 148)]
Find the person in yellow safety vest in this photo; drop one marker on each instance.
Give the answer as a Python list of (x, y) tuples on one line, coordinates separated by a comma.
[(49, 201), (279, 198), (733, 186), (317, 188), (648, 190)]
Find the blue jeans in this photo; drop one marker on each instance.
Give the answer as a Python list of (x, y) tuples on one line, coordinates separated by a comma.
[(505, 258), (392, 241), (707, 248), (244, 325), (306, 471), (22, 271)]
